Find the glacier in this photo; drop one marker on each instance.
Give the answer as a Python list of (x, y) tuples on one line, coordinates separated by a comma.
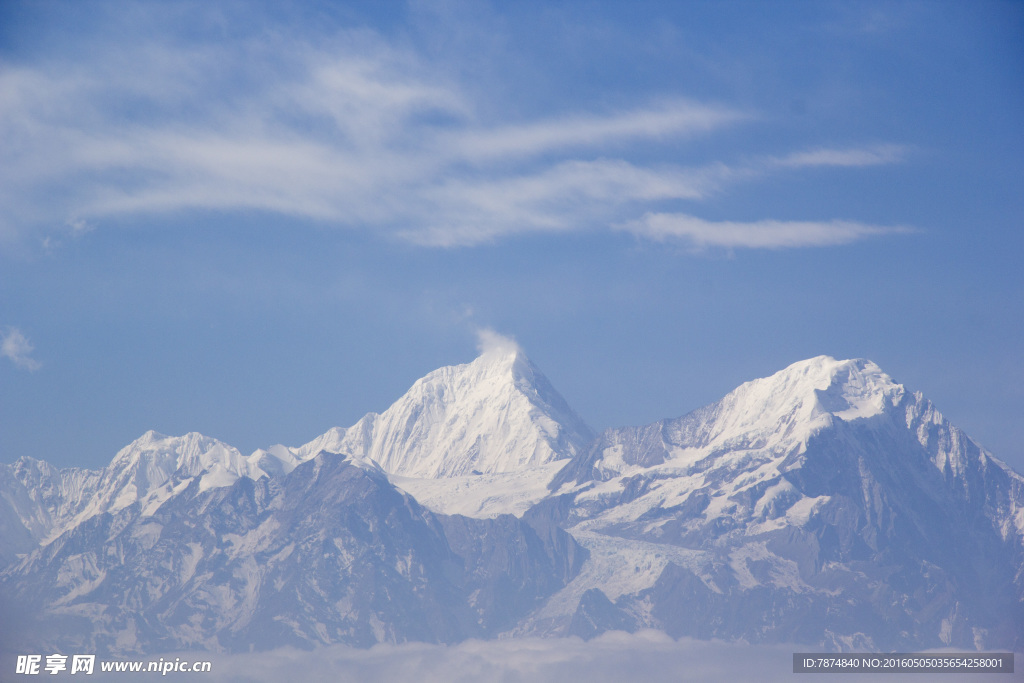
[(825, 505)]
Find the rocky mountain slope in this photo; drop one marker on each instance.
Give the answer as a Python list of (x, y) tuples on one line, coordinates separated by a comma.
[(330, 553), (825, 505)]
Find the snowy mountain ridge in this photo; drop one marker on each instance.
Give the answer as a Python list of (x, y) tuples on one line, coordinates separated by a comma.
[(147, 471), (824, 504), (497, 414), (818, 481), (773, 414)]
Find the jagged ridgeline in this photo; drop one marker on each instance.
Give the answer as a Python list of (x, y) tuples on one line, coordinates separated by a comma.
[(825, 505)]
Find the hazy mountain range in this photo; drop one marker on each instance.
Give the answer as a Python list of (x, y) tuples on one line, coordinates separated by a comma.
[(825, 505)]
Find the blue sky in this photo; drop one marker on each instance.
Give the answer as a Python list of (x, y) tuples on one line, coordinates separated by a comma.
[(258, 222)]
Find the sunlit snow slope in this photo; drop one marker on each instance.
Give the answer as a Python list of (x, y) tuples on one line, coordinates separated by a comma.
[(498, 414), (825, 505)]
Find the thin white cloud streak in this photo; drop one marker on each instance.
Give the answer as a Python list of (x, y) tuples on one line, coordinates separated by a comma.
[(766, 234), (365, 137), (372, 99), (669, 120), (558, 199), (16, 347), (875, 155)]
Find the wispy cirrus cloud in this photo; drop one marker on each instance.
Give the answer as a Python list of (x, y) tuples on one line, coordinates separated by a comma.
[(16, 347), (354, 132), (567, 196), (668, 120), (873, 155), (765, 234)]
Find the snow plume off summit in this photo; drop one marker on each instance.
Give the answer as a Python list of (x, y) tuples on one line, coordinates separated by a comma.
[(825, 505)]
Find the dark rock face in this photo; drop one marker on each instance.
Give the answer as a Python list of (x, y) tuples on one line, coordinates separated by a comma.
[(330, 553), (509, 568), (825, 505), (596, 614), (898, 553)]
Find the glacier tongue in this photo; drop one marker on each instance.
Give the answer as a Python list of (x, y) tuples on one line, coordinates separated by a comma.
[(824, 504), (795, 501)]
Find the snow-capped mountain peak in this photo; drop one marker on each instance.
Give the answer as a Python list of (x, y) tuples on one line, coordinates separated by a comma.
[(779, 513), (154, 467), (153, 459), (803, 397), (496, 414), (47, 501), (761, 421)]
